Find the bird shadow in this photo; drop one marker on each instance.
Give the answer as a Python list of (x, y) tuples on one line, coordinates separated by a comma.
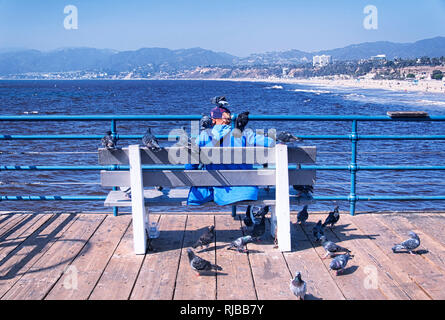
[(419, 252), (348, 270), (212, 248), (309, 296)]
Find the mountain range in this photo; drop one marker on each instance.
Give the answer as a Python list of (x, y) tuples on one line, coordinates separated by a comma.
[(19, 61)]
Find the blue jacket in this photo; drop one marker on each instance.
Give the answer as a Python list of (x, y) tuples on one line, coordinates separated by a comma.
[(221, 135)]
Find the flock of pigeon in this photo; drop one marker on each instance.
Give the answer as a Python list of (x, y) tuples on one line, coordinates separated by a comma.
[(254, 220), (340, 255)]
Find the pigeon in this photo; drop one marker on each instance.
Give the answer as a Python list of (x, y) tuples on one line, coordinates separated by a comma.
[(339, 262), (302, 215), (287, 137), (199, 264), (248, 218), (331, 248), (259, 228), (149, 141), (206, 238), (332, 218), (241, 120), (109, 141), (303, 189), (412, 243), (262, 212), (219, 101), (240, 243), (205, 122), (298, 286), (318, 231)]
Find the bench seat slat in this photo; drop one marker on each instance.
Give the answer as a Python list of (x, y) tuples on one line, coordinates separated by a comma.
[(178, 197), (226, 155), (187, 178)]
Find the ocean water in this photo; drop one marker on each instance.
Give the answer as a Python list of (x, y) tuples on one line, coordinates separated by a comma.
[(193, 97)]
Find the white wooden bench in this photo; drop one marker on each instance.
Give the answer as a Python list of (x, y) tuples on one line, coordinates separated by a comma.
[(176, 183)]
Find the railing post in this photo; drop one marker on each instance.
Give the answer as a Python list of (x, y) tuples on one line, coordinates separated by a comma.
[(113, 134), (353, 168)]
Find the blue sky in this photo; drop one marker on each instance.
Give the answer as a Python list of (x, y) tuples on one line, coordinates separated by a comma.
[(239, 27)]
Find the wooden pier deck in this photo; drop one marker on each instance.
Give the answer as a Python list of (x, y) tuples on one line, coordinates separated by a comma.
[(90, 256)]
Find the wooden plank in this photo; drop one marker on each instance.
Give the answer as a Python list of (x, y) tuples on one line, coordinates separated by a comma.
[(304, 258), (401, 225), (431, 224), (420, 271), (11, 223), (207, 178), (207, 155), (351, 282), (25, 228), (381, 273), (157, 276), (269, 269), (188, 285), (236, 283), (119, 276), (91, 261), (40, 278), (178, 197), (20, 260)]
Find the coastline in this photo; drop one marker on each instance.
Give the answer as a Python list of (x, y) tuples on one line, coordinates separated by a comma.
[(425, 86)]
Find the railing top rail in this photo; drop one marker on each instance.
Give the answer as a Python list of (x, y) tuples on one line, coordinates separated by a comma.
[(105, 117)]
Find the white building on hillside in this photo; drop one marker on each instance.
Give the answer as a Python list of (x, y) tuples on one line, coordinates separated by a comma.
[(321, 61)]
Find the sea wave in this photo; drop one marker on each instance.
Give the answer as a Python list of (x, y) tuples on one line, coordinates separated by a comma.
[(274, 87), (317, 92), (430, 102)]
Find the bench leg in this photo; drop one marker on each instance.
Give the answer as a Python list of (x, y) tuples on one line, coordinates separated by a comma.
[(282, 208), (137, 201)]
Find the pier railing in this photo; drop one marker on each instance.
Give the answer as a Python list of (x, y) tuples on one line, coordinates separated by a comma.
[(352, 167)]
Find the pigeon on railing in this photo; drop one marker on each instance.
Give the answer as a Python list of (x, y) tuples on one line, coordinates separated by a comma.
[(150, 141), (108, 141), (331, 248), (206, 238), (298, 286), (287, 137), (199, 264), (241, 121), (412, 243)]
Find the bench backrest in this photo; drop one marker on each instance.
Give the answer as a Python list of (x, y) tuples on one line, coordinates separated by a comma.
[(207, 155)]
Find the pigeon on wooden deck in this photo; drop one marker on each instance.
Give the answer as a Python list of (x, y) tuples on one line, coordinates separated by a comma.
[(241, 121), (199, 264), (318, 230), (339, 262), (150, 141), (240, 243), (331, 248), (206, 238), (248, 218), (261, 213), (412, 243), (332, 218), (302, 215), (109, 141), (259, 229), (298, 286), (287, 137), (205, 122)]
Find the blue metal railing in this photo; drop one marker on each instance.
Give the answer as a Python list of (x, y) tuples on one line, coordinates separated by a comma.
[(353, 166)]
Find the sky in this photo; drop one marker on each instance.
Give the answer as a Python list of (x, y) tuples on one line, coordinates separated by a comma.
[(238, 27)]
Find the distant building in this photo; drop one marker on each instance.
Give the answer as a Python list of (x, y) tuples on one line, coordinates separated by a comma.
[(321, 61), (379, 57)]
